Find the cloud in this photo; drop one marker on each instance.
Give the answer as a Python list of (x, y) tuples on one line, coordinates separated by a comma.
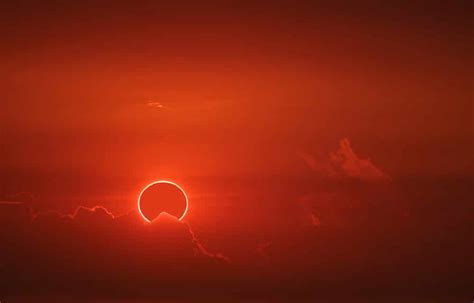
[(18, 197), (154, 104), (345, 163), (315, 220), (61, 251), (309, 160), (203, 250), (80, 213), (361, 244), (101, 219)]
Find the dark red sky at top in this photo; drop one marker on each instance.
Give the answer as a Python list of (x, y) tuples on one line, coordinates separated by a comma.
[(245, 79), (330, 140)]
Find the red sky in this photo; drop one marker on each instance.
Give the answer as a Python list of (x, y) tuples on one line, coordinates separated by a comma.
[(272, 116)]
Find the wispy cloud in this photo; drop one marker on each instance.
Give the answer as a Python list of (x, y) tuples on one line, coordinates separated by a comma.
[(315, 220), (154, 104), (344, 163), (347, 162)]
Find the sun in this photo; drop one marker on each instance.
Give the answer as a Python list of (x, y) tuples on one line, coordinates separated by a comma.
[(162, 197)]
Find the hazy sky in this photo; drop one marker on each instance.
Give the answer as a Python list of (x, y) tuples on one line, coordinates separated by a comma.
[(240, 88), (323, 139)]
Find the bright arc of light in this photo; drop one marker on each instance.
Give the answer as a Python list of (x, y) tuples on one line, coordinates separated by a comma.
[(160, 182)]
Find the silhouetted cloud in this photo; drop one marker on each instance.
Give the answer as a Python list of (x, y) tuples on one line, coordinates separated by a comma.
[(354, 234), (98, 216), (61, 251)]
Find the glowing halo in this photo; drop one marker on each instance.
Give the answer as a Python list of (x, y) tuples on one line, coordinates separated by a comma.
[(162, 182)]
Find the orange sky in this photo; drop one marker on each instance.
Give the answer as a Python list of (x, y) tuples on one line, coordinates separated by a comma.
[(242, 89), (309, 132)]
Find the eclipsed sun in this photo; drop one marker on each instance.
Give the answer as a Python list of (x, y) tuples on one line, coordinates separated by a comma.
[(162, 197)]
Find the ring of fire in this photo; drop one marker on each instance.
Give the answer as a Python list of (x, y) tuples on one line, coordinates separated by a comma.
[(162, 196)]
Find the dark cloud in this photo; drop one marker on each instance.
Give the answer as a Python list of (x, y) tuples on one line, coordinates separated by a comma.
[(61, 252), (356, 238)]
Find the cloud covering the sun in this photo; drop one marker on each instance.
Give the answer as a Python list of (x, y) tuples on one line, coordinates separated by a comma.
[(101, 220), (348, 227), (51, 249)]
